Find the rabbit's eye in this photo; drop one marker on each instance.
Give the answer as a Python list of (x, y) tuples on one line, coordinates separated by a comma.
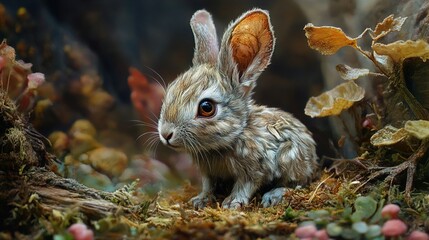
[(206, 108)]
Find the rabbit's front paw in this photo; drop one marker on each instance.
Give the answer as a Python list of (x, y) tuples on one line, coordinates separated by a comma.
[(273, 197), (234, 202), (201, 200)]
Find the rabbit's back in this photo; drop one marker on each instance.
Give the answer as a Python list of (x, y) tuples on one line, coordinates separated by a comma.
[(290, 151)]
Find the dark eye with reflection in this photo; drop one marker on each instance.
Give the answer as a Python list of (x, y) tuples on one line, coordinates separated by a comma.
[(206, 108)]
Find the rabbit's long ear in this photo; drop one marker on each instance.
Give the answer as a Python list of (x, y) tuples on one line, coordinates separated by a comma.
[(206, 45), (246, 48)]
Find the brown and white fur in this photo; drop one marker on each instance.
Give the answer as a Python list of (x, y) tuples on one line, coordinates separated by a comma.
[(253, 147)]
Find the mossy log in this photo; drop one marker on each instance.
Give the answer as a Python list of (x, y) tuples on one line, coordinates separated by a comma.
[(30, 188)]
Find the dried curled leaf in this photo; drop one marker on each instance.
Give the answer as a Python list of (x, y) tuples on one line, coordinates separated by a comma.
[(389, 24), (388, 135), (401, 50), (418, 128), (334, 101), (385, 62), (7, 51), (349, 73), (326, 39)]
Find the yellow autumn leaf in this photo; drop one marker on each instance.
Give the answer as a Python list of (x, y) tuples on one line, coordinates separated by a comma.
[(389, 24), (388, 135), (401, 50), (348, 73), (334, 101), (326, 39), (418, 129)]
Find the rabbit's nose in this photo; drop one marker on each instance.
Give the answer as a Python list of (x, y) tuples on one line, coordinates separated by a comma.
[(167, 136)]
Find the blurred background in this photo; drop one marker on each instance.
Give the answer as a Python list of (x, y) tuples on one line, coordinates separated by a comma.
[(102, 60)]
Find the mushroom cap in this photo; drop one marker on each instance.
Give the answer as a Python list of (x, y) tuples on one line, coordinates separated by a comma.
[(418, 235), (390, 211), (393, 228), (306, 231)]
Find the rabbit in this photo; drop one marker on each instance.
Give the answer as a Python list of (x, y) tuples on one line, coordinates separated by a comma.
[(208, 112)]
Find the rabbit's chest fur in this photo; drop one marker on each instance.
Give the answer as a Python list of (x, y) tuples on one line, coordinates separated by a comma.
[(274, 145)]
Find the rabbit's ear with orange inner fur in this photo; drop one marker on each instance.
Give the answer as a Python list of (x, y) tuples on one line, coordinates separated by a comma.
[(246, 48), (206, 45)]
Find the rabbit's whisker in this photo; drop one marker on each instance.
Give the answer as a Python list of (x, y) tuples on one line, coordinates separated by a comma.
[(163, 85)]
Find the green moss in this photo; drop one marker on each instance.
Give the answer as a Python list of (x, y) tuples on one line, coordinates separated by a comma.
[(123, 196), (18, 140)]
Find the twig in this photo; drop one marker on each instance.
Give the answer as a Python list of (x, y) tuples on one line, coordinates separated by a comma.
[(341, 161), (317, 188), (410, 164)]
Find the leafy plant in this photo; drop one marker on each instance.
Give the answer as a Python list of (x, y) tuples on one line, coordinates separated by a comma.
[(362, 220), (404, 119)]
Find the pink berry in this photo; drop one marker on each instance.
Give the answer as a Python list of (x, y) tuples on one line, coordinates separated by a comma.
[(367, 123), (393, 228), (307, 231), (321, 235), (79, 231), (390, 211), (87, 235), (77, 227), (418, 235)]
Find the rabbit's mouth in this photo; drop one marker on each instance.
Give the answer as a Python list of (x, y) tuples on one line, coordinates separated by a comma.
[(172, 146), (177, 148)]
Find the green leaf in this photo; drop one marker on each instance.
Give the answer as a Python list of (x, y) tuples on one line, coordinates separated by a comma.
[(377, 216), (289, 214), (373, 231), (64, 236), (365, 206), (347, 212), (349, 233), (360, 227), (334, 229), (318, 214), (357, 216), (59, 237)]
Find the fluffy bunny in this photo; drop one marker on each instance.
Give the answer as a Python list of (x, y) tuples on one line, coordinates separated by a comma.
[(208, 112)]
